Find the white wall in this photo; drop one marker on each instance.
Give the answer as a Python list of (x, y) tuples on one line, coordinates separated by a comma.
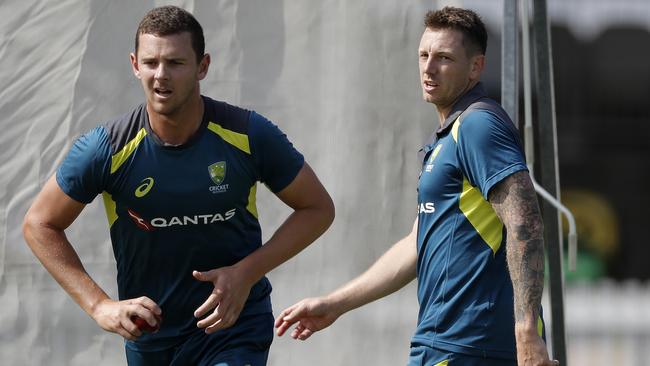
[(340, 78)]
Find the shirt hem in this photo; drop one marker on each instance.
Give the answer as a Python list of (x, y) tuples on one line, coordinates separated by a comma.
[(464, 349)]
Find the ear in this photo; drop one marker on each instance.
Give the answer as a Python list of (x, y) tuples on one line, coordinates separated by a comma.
[(203, 66), (134, 65), (477, 63)]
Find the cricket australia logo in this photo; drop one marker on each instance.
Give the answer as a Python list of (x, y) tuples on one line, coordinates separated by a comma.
[(217, 173), (429, 167)]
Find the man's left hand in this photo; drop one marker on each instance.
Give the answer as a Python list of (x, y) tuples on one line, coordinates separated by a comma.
[(226, 301), (531, 351)]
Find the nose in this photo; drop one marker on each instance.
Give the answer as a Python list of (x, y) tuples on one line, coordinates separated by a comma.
[(430, 65), (161, 72)]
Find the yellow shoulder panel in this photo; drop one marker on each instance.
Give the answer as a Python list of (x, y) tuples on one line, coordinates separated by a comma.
[(252, 206), (110, 207), (118, 159), (239, 140)]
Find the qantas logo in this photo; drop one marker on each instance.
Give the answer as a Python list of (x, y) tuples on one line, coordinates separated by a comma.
[(139, 221), (160, 222), (427, 207)]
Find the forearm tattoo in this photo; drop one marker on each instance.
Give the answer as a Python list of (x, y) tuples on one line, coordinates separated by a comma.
[(515, 202)]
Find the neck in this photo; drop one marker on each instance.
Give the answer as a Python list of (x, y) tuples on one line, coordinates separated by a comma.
[(442, 115), (445, 111), (178, 127)]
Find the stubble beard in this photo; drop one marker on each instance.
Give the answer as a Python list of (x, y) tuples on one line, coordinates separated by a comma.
[(173, 107)]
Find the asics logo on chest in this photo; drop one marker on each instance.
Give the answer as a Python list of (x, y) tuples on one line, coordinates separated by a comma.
[(145, 186)]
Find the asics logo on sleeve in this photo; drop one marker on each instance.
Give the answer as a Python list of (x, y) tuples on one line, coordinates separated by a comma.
[(144, 187)]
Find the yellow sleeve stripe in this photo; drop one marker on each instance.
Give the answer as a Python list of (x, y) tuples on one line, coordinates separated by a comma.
[(481, 215), (442, 363), (110, 207), (118, 159), (239, 140), (252, 206)]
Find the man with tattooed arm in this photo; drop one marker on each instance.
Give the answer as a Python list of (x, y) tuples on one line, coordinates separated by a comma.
[(476, 246)]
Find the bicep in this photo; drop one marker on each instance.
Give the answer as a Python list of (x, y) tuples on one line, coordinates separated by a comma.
[(515, 202), (411, 249), (305, 191), (53, 208), (414, 230)]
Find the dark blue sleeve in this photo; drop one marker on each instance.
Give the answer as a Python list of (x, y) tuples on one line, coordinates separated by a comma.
[(488, 150), (84, 171), (277, 160)]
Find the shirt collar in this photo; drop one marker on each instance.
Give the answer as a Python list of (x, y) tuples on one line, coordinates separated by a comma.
[(473, 95)]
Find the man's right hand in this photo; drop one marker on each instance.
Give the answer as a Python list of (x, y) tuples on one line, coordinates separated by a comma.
[(115, 316), (392, 271), (312, 315)]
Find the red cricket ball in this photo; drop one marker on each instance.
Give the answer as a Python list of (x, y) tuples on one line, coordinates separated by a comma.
[(144, 326)]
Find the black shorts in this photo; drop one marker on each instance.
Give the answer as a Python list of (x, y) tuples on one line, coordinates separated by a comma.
[(427, 356), (246, 343)]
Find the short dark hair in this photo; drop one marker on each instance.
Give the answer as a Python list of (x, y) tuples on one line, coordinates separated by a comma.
[(463, 20), (168, 20)]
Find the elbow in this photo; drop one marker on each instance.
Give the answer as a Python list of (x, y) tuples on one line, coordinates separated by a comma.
[(28, 227), (329, 211), (34, 226)]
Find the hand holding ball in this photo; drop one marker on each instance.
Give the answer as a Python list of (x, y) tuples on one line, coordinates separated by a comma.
[(144, 326)]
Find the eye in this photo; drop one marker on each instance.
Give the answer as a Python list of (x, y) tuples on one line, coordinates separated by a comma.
[(424, 55)]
